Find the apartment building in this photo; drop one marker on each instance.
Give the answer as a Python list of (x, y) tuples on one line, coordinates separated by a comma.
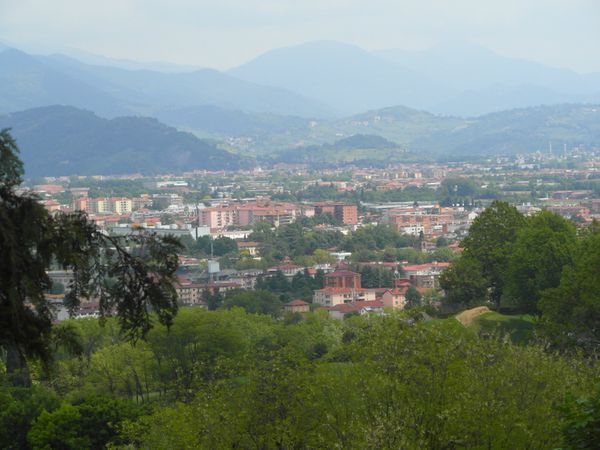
[(332, 296), (121, 205), (345, 213), (104, 205), (247, 214), (217, 218)]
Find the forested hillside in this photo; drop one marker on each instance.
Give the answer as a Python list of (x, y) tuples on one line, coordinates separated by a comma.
[(62, 140)]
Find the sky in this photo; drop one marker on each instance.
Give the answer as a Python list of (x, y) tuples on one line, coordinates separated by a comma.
[(225, 33)]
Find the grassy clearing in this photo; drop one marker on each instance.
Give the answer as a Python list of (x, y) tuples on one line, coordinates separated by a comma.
[(518, 327)]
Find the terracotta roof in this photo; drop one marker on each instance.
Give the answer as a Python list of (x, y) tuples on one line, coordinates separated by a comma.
[(414, 267), (248, 244), (397, 291), (373, 303), (341, 290), (297, 302), (342, 273)]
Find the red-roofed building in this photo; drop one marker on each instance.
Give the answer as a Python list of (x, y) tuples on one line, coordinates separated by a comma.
[(401, 282), (297, 306), (425, 275), (394, 298), (346, 213), (250, 247), (342, 279), (48, 188)]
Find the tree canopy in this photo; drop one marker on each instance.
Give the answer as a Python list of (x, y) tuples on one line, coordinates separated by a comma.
[(129, 276)]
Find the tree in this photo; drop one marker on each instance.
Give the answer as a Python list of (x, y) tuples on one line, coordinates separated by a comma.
[(255, 302), (20, 407), (376, 277), (131, 283), (442, 254), (223, 245), (413, 297), (571, 311), (457, 191), (464, 284), (212, 299), (490, 242), (323, 257), (89, 423), (582, 430), (441, 242), (58, 430), (543, 247)]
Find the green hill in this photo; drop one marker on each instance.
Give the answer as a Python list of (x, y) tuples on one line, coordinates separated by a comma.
[(510, 132), (63, 140), (517, 131)]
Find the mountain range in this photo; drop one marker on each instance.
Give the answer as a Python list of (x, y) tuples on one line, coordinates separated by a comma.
[(454, 78), (28, 81), (63, 140), (399, 133), (304, 103), (319, 80)]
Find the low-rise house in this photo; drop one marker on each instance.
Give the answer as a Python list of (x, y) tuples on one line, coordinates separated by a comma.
[(297, 306), (250, 247), (394, 298)]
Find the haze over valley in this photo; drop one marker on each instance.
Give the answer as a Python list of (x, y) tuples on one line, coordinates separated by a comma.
[(451, 100)]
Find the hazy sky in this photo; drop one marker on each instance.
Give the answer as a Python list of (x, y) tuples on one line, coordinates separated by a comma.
[(224, 33)]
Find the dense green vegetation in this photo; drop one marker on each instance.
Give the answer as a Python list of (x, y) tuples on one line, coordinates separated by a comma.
[(537, 265), (229, 379), (311, 246)]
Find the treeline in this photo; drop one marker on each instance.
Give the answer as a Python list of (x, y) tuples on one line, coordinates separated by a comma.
[(541, 265), (309, 246), (228, 379)]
